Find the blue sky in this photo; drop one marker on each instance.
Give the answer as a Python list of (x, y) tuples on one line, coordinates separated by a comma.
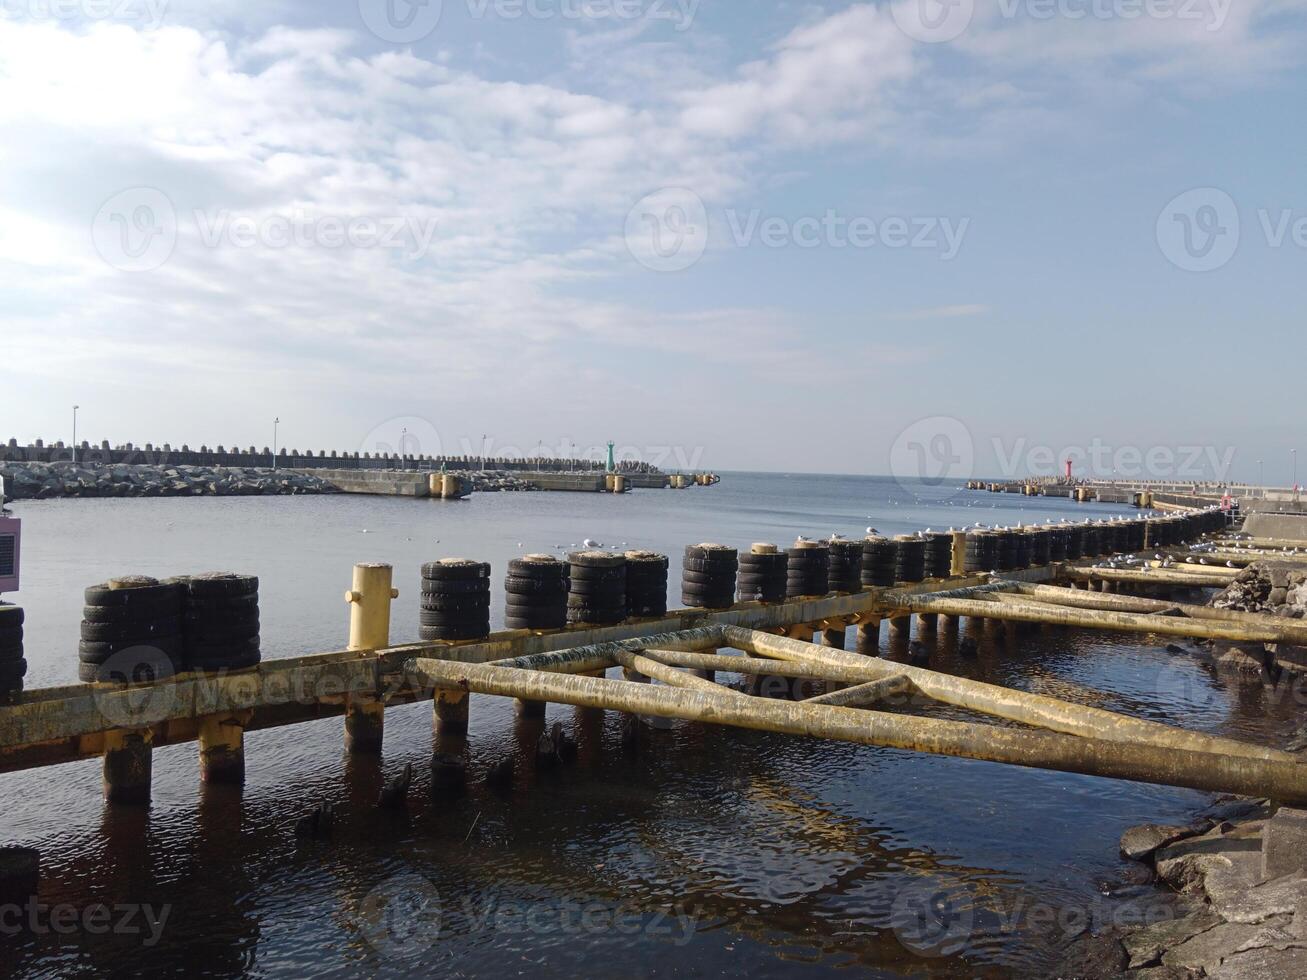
[(358, 217)]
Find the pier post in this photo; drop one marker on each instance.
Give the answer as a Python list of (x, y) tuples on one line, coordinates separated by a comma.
[(450, 714), (369, 629), (900, 629), (927, 623), (869, 638), (833, 638), (222, 748), (128, 766)]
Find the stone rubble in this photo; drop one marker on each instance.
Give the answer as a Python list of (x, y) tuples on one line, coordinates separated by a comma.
[(43, 481), (1231, 921)]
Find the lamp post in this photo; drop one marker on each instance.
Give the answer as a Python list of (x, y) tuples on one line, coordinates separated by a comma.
[(275, 422), (1294, 453), (75, 408)]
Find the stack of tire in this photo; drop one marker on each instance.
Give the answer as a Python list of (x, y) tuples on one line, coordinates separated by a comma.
[(807, 569), (1075, 542), (910, 559), (1058, 539), (939, 554), (879, 560), (13, 668), (220, 621), (1093, 546), (982, 551), (1040, 545), (844, 573), (763, 571), (132, 631), (597, 588), (536, 593), (1021, 548), (455, 600), (708, 576), (1005, 554), (646, 584)]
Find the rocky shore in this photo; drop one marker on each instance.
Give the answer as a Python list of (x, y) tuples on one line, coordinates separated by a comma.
[(1241, 908), (43, 481)]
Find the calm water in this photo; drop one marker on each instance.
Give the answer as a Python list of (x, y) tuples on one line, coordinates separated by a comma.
[(706, 852)]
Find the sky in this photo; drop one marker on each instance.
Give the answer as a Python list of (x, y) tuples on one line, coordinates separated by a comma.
[(928, 237)]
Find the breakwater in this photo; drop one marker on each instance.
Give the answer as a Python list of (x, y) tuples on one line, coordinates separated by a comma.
[(166, 454), (45, 481)]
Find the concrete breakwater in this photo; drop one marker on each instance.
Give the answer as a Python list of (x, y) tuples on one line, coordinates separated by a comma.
[(166, 454), (43, 481)]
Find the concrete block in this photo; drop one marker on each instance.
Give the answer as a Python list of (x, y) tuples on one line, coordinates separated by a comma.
[(1284, 843)]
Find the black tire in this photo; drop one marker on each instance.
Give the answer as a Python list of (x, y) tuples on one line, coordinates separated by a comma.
[(527, 568), (577, 617), (131, 633), (581, 573), (649, 610), (134, 613), (11, 616), (221, 585), (470, 586), (582, 586), (430, 618), (515, 585), (246, 617), (222, 606), (456, 570), (707, 602), (595, 559), (220, 635), (224, 650), (12, 673), (711, 553), (455, 604), (11, 636), (524, 602), (121, 671), (102, 595), (536, 623), (93, 652), (710, 567), (462, 631)]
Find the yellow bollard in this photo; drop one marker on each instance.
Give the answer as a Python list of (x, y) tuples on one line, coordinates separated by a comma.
[(959, 565), (369, 629)]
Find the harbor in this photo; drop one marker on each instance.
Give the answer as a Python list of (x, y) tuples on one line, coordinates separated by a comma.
[(787, 657)]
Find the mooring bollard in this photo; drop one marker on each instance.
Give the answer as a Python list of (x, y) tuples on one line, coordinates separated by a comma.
[(369, 629), (128, 766)]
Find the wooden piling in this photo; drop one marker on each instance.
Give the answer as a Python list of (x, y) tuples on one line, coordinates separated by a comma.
[(222, 748), (450, 713), (869, 637), (128, 766)]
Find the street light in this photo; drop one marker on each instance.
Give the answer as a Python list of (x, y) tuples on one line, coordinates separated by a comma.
[(1294, 452), (75, 408), (1261, 474), (275, 423)]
